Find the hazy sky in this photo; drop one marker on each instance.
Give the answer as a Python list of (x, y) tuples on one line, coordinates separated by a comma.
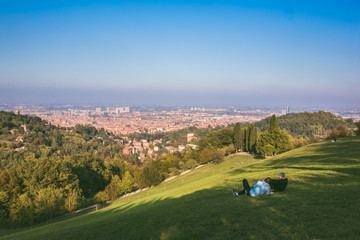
[(241, 52)]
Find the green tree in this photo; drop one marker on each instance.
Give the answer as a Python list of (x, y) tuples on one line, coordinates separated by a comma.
[(246, 139), (205, 156), (4, 210), (238, 137), (274, 137), (149, 174), (73, 200), (217, 139), (217, 157), (273, 124), (49, 202), (280, 140), (191, 164), (127, 183), (339, 131), (357, 132), (252, 138), (267, 150), (22, 211)]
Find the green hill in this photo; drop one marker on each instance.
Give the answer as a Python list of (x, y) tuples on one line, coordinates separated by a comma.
[(307, 123), (321, 202)]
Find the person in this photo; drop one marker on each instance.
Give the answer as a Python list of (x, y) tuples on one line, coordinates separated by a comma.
[(261, 187), (280, 184)]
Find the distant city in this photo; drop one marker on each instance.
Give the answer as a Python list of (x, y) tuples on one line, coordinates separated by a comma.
[(123, 120)]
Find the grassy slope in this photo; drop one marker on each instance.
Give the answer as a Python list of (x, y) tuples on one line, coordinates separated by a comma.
[(321, 202)]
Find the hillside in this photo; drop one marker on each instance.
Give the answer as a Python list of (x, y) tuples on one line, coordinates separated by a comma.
[(47, 171), (319, 203), (307, 123)]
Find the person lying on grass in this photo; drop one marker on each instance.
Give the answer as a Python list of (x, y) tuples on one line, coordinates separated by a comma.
[(261, 187), (279, 185)]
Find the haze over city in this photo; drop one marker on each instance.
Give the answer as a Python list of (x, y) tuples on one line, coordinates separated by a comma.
[(181, 52)]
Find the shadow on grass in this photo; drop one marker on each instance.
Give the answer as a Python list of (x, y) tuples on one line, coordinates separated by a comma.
[(215, 213), (340, 157)]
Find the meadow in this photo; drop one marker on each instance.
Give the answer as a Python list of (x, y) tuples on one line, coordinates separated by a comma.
[(320, 202)]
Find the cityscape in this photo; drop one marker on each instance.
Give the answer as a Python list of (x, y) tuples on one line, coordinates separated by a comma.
[(126, 120)]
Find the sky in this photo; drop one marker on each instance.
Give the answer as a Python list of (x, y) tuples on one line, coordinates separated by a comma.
[(245, 52)]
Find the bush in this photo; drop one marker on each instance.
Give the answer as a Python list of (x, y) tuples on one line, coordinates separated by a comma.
[(217, 157), (339, 131), (174, 171), (191, 164)]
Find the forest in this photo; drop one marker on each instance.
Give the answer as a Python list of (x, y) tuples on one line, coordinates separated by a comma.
[(307, 124), (47, 171)]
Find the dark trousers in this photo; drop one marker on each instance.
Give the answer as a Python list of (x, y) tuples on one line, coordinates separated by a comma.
[(246, 187)]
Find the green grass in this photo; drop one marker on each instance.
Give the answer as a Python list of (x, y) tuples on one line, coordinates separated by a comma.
[(321, 202)]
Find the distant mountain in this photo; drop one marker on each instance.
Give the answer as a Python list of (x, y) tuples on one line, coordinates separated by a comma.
[(307, 123)]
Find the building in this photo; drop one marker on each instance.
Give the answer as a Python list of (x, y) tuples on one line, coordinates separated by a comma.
[(181, 147), (129, 150), (193, 146), (19, 139), (170, 149), (122, 110), (13, 131), (26, 130), (190, 137)]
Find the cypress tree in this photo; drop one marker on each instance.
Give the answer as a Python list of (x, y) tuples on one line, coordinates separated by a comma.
[(273, 124), (246, 139), (252, 138), (243, 140), (238, 137)]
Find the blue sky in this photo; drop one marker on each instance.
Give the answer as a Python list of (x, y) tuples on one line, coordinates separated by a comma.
[(181, 52)]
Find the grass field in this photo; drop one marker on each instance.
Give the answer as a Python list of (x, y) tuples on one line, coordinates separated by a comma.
[(321, 202)]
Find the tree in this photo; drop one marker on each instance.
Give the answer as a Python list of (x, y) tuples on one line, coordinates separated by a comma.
[(127, 183), (4, 211), (49, 202), (279, 140), (205, 156), (217, 139), (191, 164), (273, 124), (73, 200), (357, 132), (246, 139), (238, 137), (339, 131), (149, 174), (252, 138), (113, 190), (274, 137), (267, 150), (22, 211), (217, 157)]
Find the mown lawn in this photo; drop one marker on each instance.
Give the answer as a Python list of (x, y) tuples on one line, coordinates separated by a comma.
[(321, 202)]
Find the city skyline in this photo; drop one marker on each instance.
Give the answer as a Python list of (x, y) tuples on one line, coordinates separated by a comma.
[(181, 52)]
